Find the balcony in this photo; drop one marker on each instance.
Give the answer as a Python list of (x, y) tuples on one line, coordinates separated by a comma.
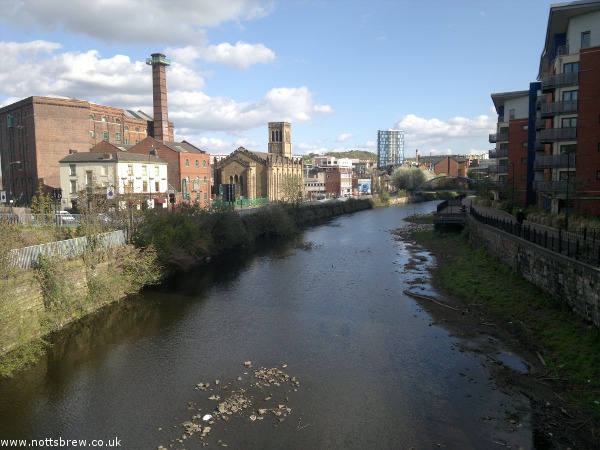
[(499, 169), (557, 134), (498, 153), (551, 187), (561, 80), (555, 108), (498, 137), (554, 161)]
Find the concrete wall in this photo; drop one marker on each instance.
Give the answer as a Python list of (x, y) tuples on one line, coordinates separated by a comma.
[(576, 283)]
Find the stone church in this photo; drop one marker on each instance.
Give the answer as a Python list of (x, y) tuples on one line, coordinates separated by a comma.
[(275, 175)]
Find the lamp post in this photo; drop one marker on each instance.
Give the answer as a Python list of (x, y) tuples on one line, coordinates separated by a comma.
[(9, 197)]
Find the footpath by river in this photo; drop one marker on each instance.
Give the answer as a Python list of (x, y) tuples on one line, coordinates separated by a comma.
[(310, 343)]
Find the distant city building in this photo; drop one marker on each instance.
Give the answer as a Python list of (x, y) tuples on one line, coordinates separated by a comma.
[(390, 148)]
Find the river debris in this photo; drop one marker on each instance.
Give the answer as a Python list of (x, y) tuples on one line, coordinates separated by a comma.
[(257, 398)]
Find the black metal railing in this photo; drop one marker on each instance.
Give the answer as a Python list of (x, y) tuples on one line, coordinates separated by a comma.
[(581, 244)]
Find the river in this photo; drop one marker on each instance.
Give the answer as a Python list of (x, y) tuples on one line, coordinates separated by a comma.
[(359, 365)]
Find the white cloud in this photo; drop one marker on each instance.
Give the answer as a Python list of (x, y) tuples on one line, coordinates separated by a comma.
[(323, 109), (133, 21), (344, 137), (240, 55), (432, 133)]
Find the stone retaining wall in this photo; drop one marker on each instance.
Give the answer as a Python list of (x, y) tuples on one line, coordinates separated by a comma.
[(576, 283)]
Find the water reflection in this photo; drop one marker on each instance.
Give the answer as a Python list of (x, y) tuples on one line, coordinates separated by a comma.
[(374, 373)]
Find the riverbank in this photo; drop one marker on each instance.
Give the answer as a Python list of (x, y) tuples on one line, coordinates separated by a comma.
[(494, 311)]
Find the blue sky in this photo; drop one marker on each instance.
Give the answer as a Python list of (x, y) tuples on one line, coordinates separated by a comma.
[(338, 70)]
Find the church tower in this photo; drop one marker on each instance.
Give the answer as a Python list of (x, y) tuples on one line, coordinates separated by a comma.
[(280, 138)]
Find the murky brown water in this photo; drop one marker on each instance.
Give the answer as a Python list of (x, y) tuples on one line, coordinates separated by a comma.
[(373, 371)]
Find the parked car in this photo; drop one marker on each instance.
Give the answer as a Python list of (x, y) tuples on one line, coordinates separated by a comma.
[(64, 218)]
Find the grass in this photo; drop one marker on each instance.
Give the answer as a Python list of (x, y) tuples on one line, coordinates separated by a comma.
[(570, 346)]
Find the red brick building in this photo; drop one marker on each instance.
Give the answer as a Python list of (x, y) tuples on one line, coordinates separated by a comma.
[(188, 173), (39, 131)]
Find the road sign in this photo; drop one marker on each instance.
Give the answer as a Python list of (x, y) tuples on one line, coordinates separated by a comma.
[(110, 192), (2, 196)]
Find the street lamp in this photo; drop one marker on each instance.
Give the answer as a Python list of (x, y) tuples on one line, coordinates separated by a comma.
[(9, 197)]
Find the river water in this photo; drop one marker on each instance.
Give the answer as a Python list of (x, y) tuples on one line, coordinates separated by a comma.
[(370, 370)]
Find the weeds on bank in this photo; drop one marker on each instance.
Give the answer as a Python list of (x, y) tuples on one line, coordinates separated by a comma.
[(570, 347)]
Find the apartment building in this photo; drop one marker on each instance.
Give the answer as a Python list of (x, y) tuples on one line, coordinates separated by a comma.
[(511, 172), (567, 172), (390, 148), (548, 137)]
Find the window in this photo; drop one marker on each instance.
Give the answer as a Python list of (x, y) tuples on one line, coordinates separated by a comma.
[(144, 186), (103, 170), (126, 128), (156, 171), (144, 170), (197, 163), (137, 129), (92, 134), (204, 163), (187, 163), (117, 121), (130, 170), (91, 117), (104, 119), (73, 187), (88, 178), (118, 136), (569, 122), (571, 67), (511, 114), (585, 39), (105, 135), (72, 169), (569, 96), (157, 186), (204, 180)]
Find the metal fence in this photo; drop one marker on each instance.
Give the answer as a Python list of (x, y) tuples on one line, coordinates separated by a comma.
[(39, 220), (581, 244), (26, 258)]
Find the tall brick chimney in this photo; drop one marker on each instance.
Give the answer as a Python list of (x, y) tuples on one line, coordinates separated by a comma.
[(159, 96)]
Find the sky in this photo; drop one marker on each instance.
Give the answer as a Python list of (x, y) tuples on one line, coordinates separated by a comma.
[(337, 70)]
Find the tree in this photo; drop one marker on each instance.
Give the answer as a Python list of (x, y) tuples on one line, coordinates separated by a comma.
[(291, 188), (409, 179)]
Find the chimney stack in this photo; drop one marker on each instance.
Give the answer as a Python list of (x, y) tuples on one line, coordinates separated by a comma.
[(159, 96)]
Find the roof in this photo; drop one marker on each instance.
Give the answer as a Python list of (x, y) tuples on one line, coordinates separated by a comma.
[(115, 157), (500, 98), (182, 147), (137, 115)]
